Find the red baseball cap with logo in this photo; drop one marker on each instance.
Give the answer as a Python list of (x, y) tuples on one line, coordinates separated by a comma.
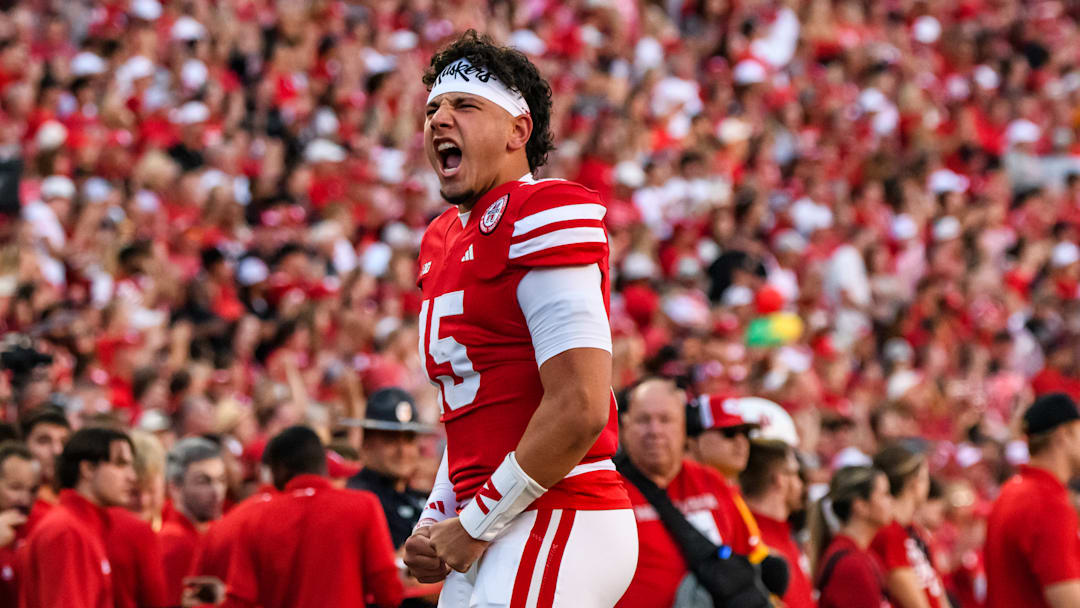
[(717, 412)]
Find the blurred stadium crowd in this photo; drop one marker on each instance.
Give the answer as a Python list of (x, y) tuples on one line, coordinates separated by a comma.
[(866, 212)]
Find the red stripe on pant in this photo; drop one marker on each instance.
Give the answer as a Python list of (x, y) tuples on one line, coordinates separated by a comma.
[(554, 560), (528, 559)]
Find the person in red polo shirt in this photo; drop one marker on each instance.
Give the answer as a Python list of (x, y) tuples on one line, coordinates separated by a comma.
[(18, 480), (195, 472), (313, 545), (1032, 549), (64, 563)]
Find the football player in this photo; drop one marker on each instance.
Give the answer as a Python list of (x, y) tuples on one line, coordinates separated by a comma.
[(528, 509)]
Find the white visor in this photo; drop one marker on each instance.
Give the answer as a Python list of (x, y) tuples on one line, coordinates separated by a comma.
[(462, 76)]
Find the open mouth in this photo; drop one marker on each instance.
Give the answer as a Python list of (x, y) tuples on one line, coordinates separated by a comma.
[(449, 158)]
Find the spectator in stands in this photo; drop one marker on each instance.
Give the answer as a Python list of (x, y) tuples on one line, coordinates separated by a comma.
[(148, 498), (903, 548), (1033, 534), (65, 562), (134, 552), (195, 472), (847, 573), (721, 440), (45, 432), (774, 490), (653, 436), (18, 479)]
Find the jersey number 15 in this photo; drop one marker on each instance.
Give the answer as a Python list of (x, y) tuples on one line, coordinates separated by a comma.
[(448, 350)]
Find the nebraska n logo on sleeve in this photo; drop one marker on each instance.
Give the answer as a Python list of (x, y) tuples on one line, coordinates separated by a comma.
[(494, 213)]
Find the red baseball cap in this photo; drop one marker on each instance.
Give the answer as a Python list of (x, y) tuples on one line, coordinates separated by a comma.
[(721, 412)]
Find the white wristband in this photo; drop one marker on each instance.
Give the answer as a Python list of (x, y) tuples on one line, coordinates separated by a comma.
[(506, 493)]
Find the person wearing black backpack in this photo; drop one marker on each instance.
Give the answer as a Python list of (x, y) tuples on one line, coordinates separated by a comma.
[(844, 522)]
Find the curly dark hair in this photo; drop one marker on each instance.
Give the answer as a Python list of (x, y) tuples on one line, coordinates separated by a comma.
[(515, 70)]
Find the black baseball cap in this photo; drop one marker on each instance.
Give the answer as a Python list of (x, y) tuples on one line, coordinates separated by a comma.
[(1049, 412), (390, 409)]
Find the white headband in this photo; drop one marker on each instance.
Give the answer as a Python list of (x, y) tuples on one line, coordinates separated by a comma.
[(462, 76)]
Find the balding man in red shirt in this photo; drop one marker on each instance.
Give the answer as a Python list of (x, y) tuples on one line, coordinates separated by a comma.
[(1033, 537), (313, 545), (653, 435)]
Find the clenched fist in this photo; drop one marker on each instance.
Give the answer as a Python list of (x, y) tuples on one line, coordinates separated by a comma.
[(454, 546), (423, 562)]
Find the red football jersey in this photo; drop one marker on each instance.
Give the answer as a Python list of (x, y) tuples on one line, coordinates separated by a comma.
[(474, 339), (697, 491), (896, 547)]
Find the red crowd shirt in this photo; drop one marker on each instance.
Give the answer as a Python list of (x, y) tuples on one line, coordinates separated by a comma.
[(64, 564), (135, 556), (744, 536), (179, 541), (42, 506), (696, 491), (215, 550), (967, 583), (480, 352), (9, 591), (776, 535), (857, 579), (1032, 540), (314, 546), (897, 547)]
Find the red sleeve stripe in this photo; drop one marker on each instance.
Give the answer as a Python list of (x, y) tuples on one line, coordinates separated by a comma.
[(563, 213), (557, 238)]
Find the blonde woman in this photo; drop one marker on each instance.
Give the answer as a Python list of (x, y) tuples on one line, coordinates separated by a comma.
[(148, 495)]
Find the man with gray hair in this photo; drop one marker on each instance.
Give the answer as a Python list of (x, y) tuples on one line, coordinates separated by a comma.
[(195, 473)]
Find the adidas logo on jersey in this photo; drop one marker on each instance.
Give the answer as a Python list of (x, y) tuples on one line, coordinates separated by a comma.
[(468, 255), (425, 269)]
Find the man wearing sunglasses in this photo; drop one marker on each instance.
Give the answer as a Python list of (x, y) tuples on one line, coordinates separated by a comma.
[(719, 438)]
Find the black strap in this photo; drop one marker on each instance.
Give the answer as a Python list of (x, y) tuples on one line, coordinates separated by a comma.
[(731, 582), (830, 565), (695, 547)]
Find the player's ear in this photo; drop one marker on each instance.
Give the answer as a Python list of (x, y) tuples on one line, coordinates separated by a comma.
[(520, 131)]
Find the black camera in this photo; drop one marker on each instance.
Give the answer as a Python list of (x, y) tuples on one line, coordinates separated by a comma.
[(21, 360)]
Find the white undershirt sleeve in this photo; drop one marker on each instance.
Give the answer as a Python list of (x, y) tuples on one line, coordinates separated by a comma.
[(442, 502), (564, 309)]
